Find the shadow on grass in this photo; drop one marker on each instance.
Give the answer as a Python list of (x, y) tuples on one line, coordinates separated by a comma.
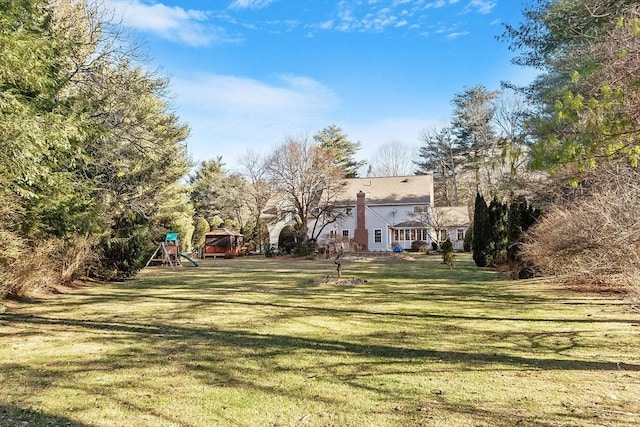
[(12, 416), (284, 344)]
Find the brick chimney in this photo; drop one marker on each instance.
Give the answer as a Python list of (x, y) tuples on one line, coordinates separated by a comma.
[(361, 236)]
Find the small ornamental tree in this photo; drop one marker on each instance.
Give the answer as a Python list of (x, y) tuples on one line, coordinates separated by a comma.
[(448, 256)]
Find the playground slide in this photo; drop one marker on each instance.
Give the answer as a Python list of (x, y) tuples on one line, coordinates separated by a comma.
[(195, 264)]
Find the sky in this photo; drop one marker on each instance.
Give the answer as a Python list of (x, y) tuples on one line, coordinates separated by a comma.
[(247, 74)]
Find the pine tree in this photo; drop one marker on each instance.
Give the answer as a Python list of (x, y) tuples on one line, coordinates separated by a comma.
[(334, 141)]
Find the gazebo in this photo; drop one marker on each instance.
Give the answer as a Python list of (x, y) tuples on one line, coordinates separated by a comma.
[(222, 242)]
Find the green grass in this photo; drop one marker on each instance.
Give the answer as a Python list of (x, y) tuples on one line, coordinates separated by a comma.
[(258, 342)]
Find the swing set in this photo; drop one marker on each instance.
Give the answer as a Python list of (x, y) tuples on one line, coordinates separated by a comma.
[(168, 252)]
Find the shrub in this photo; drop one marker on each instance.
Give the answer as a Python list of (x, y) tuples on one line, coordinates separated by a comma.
[(448, 256), (75, 257), (126, 249), (308, 248), (593, 236), (270, 251), (26, 269), (468, 238), (419, 246)]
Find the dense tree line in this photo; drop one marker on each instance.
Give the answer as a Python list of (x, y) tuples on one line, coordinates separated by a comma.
[(92, 155), (586, 130)]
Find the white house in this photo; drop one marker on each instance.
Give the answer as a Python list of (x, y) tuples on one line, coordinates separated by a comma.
[(384, 212)]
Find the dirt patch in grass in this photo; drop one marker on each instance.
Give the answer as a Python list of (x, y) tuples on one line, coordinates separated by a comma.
[(343, 281)]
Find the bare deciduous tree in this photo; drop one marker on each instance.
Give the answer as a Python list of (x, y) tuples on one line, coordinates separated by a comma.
[(394, 158), (308, 178), (258, 189)]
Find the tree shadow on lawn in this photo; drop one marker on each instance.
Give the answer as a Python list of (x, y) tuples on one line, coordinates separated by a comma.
[(11, 416), (240, 360), (286, 344)]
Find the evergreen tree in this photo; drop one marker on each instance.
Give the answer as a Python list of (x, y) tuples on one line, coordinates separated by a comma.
[(440, 154), (521, 217), (475, 136), (334, 141), (90, 150), (481, 243), (498, 220)]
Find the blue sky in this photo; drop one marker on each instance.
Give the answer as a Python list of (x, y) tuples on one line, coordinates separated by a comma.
[(248, 73)]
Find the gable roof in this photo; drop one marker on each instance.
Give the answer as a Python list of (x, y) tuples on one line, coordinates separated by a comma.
[(223, 232), (388, 190)]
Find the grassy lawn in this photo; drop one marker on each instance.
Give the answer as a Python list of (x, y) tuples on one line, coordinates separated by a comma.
[(259, 342)]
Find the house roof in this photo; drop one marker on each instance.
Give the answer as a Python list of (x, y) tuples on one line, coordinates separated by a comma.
[(389, 190), (223, 232)]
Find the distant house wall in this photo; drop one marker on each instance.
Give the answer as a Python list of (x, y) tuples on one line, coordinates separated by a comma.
[(396, 209), (380, 221)]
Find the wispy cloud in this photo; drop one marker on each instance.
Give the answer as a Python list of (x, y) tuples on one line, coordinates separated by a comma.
[(481, 6), (374, 16), (187, 26), (258, 113), (456, 34), (381, 15), (290, 93), (250, 4)]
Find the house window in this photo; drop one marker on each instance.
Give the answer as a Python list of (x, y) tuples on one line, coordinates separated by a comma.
[(377, 236), (345, 235), (419, 209), (460, 233), (443, 235)]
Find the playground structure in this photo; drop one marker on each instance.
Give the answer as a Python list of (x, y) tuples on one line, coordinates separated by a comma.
[(168, 252)]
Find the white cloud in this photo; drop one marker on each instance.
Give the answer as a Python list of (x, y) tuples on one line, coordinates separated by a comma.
[(457, 34), (228, 114), (250, 4), (481, 6), (378, 15), (173, 23)]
